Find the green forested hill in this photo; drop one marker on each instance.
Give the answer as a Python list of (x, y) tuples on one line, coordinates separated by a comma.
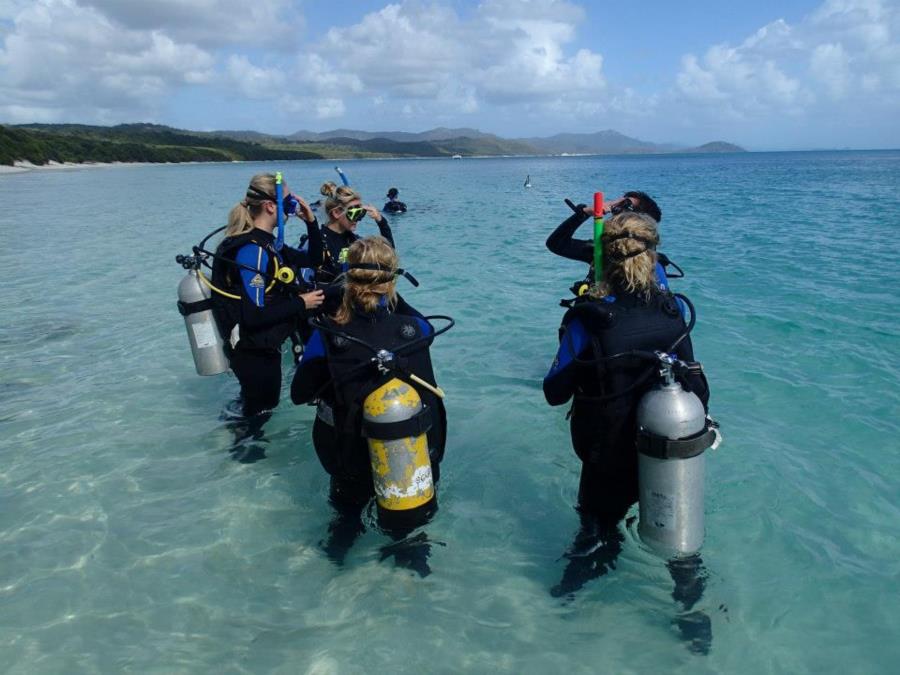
[(41, 143)]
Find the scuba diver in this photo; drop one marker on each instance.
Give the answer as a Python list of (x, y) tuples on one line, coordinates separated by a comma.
[(393, 205), (562, 243), (602, 366), (255, 311), (345, 210), (380, 427)]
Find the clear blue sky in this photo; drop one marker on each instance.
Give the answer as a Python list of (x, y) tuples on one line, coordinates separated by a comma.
[(766, 75)]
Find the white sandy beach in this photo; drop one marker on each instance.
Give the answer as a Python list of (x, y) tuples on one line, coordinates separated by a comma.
[(21, 166)]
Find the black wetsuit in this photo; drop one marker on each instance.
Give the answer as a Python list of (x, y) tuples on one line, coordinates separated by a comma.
[(604, 428), (394, 206), (329, 373), (604, 431), (266, 313)]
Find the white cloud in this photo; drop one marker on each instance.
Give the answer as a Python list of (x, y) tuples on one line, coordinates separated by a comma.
[(830, 65), (507, 52), (783, 68), (61, 61), (210, 23)]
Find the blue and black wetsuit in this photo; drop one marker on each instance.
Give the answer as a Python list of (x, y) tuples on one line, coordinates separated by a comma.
[(604, 428), (334, 261), (562, 242), (604, 404), (266, 313), (332, 373)]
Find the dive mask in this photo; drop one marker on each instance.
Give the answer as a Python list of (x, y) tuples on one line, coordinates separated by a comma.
[(625, 205), (289, 205), (355, 213)]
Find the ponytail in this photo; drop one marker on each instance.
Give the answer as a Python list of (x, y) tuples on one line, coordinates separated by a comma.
[(337, 196), (240, 218), (629, 264), (365, 288)]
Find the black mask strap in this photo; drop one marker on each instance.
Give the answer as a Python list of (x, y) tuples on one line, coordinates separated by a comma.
[(375, 267), (256, 193), (649, 245)]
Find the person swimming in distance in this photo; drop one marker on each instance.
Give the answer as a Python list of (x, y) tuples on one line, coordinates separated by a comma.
[(393, 205)]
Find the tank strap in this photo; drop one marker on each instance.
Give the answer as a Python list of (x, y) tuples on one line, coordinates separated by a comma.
[(684, 448), (415, 426), (188, 308)]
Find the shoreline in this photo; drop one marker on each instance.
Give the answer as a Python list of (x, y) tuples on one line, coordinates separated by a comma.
[(24, 166)]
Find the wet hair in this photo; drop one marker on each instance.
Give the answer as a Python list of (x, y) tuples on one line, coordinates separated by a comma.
[(365, 288), (240, 218), (392, 193), (337, 196), (646, 204), (629, 264)]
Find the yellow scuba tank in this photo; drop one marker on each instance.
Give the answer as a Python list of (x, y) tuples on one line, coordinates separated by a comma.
[(395, 424)]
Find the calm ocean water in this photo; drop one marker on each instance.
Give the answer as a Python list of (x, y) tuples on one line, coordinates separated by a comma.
[(130, 541)]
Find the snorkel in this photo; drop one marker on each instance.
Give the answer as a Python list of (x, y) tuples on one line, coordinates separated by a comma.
[(341, 174), (279, 199), (598, 237)]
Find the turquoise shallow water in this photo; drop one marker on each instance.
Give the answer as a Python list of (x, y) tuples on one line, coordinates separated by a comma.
[(131, 542)]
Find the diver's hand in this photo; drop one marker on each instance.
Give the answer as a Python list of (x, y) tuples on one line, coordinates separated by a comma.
[(588, 211), (313, 299), (374, 213), (304, 211)]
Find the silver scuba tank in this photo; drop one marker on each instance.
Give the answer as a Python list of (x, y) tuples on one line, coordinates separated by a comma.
[(673, 433), (195, 306)]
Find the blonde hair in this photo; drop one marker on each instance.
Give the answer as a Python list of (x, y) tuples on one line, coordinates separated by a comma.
[(240, 219), (629, 264), (337, 196), (365, 288)]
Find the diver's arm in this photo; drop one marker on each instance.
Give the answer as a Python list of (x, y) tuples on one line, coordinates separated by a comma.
[(560, 381), (562, 244), (385, 230), (311, 254), (258, 311), (312, 371), (315, 247)]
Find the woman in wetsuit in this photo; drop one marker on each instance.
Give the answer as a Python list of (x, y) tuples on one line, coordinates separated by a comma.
[(345, 210), (627, 311), (562, 240), (263, 312), (338, 374)]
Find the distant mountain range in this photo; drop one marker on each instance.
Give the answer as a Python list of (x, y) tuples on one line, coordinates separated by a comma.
[(41, 143), (597, 143)]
